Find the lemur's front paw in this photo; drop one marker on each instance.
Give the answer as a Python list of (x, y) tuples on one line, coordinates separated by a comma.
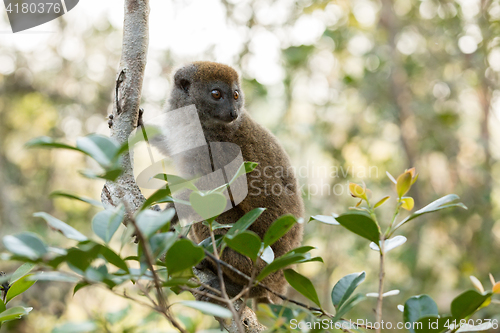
[(110, 120), (139, 120)]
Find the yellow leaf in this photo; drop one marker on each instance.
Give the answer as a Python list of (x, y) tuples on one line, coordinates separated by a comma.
[(414, 179), (407, 203), (357, 191), (496, 288), (381, 201), (403, 183), (411, 171)]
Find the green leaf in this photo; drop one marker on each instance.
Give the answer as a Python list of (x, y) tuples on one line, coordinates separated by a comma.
[(110, 174), (208, 205), (441, 203), (150, 221), (19, 287), (245, 221), (183, 255), (83, 327), (80, 285), (284, 261), (216, 225), (101, 148), (76, 197), (176, 183), (207, 243), (46, 142), (149, 130), (160, 195), (106, 222), (61, 226), (247, 243), (54, 276), (2, 306), (417, 307), (160, 243), (26, 245), (14, 313), (113, 258), (208, 308), (79, 259), (21, 271), (302, 284), (301, 249), (347, 306), (246, 167), (327, 219), (361, 224), (94, 275), (279, 228), (467, 303), (345, 287)]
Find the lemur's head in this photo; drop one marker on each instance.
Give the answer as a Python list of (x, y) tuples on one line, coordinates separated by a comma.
[(214, 89)]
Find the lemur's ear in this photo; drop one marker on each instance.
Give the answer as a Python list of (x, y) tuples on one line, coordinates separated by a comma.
[(183, 76)]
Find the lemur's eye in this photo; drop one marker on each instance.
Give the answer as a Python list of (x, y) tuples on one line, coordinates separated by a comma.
[(216, 94), (236, 95)]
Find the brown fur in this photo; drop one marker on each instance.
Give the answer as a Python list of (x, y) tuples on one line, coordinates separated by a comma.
[(257, 145), (209, 71)]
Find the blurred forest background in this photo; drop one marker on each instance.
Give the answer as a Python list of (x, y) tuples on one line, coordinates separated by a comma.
[(351, 88)]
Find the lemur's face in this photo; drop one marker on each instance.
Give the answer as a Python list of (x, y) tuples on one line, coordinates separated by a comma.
[(219, 101)]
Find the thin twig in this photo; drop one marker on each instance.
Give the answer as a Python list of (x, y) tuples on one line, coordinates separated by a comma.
[(146, 293), (203, 293), (381, 283), (249, 286), (125, 295), (225, 296), (212, 289), (163, 304)]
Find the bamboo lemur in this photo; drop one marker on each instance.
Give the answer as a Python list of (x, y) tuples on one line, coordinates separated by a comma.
[(215, 91)]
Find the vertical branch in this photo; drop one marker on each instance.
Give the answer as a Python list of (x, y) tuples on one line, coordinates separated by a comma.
[(229, 302), (381, 284), (127, 98)]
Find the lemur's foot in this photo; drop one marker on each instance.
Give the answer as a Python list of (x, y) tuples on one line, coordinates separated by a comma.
[(139, 121), (110, 120)]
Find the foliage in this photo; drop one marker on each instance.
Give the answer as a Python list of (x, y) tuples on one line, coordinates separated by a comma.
[(92, 260), (11, 286)]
